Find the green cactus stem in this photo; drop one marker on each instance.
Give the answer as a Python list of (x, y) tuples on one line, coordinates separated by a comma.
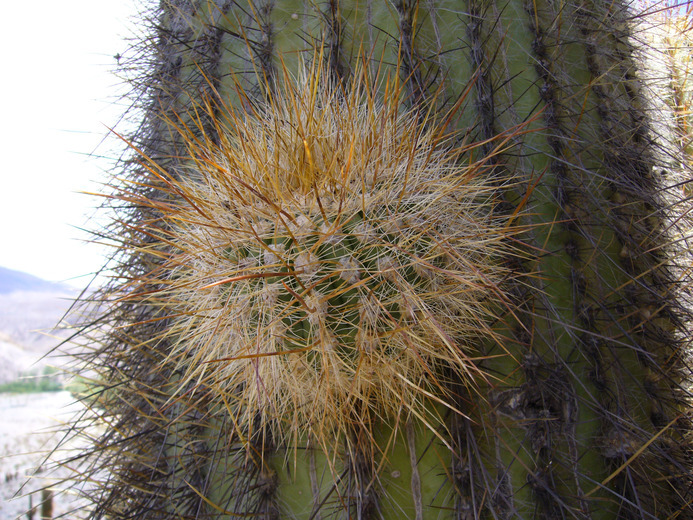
[(410, 259)]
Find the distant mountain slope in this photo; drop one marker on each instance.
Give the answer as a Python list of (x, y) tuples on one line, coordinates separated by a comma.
[(13, 281), (30, 310)]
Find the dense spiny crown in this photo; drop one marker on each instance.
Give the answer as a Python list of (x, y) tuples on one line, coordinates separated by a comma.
[(331, 254)]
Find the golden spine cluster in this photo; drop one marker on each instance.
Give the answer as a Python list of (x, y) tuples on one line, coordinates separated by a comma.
[(331, 255)]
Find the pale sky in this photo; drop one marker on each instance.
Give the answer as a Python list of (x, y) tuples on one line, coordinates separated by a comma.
[(58, 91)]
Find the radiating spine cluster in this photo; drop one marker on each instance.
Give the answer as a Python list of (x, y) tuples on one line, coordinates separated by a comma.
[(332, 255)]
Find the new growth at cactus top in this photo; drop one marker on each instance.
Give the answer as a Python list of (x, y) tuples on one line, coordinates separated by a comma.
[(330, 257)]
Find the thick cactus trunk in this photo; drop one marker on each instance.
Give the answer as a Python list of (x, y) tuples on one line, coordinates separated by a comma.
[(486, 321)]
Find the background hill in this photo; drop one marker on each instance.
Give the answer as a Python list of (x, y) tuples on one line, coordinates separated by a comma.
[(31, 310), (12, 281)]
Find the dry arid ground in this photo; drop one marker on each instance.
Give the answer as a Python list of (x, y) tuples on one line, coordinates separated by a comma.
[(26, 436)]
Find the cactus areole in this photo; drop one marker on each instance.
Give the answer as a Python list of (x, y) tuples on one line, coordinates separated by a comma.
[(392, 260)]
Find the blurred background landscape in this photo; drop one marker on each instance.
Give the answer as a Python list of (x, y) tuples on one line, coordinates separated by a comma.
[(31, 310), (34, 396), (63, 94)]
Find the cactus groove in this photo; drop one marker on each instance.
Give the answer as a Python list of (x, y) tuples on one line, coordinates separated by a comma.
[(407, 259)]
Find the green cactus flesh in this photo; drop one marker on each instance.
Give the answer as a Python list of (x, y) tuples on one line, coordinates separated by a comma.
[(394, 260)]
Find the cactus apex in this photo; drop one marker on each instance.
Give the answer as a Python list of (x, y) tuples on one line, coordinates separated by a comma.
[(288, 290)]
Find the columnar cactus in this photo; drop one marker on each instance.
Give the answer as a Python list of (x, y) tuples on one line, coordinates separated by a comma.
[(400, 260)]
